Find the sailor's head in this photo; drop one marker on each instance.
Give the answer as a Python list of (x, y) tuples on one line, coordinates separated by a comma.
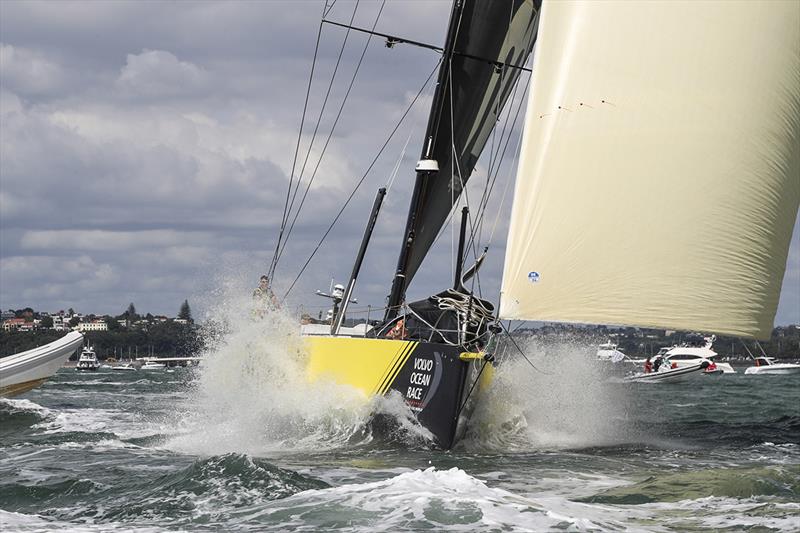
[(264, 281)]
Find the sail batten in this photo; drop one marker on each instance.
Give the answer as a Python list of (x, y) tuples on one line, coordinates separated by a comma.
[(658, 179)]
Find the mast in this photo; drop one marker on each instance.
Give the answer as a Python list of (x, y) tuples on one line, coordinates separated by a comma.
[(426, 169)]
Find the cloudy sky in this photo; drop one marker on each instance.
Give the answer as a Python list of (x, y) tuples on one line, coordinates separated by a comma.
[(145, 149)]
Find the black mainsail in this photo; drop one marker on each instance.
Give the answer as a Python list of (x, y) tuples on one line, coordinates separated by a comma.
[(488, 41)]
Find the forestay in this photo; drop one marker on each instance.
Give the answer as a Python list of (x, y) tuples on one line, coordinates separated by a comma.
[(658, 179)]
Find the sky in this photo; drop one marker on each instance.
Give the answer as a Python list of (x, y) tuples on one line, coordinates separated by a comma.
[(146, 148)]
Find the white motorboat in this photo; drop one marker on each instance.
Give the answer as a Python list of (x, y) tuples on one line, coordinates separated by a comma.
[(125, 367), (686, 355), (25, 370), (767, 366), (153, 365), (87, 360), (667, 374), (609, 352)]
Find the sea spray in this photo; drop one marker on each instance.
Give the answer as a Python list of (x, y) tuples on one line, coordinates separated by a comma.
[(564, 402), (252, 394)]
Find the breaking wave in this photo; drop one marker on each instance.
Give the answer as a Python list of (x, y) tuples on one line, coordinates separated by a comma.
[(427, 499)]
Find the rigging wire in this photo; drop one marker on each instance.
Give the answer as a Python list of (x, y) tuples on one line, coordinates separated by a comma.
[(482, 208), (324, 104), (352, 194), (492, 153), (503, 199), (514, 342), (456, 165), (333, 128), (284, 218), (485, 204), (396, 168), (492, 174), (316, 126), (327, 9)]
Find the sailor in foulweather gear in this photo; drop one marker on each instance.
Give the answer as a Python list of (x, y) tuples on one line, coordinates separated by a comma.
[(263, 296)]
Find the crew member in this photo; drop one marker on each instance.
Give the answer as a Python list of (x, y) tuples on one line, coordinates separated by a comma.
[(648, 366), (263, 295), (657, 364), (398, 331)]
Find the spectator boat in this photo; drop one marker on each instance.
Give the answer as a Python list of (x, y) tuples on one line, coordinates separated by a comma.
[(88, 360), (23, 371)]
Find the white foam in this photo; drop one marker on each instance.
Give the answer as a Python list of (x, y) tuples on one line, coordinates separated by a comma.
[(38, 524), (430, 498), (22, 405), (728, 513), (88, 420)]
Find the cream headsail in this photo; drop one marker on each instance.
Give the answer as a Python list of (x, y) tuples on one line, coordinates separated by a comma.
[(659, 178)]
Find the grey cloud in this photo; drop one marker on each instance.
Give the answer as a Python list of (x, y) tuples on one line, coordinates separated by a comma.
[(146, 149), (156, 73), (26, 71), (107, 240)]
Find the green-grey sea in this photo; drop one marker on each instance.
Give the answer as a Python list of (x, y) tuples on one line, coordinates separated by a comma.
[(244, 443)]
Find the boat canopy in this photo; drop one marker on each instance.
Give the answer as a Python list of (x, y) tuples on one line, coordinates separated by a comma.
[(685, 116)]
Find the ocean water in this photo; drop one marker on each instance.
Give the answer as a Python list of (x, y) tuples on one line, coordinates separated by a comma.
[(243, 443)]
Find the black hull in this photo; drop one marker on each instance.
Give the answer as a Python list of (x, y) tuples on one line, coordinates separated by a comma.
[(435, 382), (434, 379)]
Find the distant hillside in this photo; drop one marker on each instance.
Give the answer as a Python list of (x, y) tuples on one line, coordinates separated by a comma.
[(160, 339)]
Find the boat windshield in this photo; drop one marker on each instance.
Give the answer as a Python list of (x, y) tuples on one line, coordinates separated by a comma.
[(684, 357)]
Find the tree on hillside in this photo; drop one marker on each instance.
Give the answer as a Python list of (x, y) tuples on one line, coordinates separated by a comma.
[(185, 313), (130, 315), (71, 311), (73, 322), (47, 322), (112, 324)]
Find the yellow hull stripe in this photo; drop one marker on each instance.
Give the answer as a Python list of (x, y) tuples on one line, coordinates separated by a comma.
[(399, 363), (370, 365)]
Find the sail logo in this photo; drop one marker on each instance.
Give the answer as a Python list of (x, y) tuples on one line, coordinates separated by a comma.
[(533, 277)]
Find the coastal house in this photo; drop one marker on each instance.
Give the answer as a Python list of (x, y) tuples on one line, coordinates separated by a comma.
[(94, 325), (16, 324)]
